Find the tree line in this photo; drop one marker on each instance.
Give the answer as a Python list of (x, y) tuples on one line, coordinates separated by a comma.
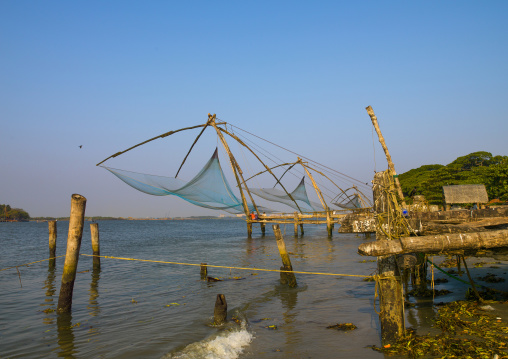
[(475, 168), (12, 214)]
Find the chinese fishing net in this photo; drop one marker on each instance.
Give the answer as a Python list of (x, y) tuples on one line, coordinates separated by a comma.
[(208, 189)]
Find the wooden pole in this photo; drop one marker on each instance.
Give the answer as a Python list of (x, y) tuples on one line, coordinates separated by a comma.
[(263, 228), (329, 224), (220, 311), (391, 166), (286, 277), (204, 271), (78, 204), (52, 241), (296, 224), (391, 316), (94, 231)]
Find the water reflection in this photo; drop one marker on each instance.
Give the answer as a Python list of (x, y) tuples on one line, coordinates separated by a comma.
[(65, 336), (93, 304), (289, 299), (49, 286)]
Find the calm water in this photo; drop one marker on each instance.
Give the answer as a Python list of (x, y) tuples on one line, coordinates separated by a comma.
[(151, 310)]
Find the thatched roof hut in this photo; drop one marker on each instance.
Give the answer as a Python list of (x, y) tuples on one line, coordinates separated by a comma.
[(466, 193)]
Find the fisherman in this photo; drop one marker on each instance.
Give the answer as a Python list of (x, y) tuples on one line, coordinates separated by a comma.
[(253, 216)]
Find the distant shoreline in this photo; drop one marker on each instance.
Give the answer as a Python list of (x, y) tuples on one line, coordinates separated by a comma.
[(91, 219)]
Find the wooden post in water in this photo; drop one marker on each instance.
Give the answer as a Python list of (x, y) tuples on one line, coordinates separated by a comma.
[(94, 231), (296, 224), (285, 277), (220, 311), (301, 229), (263, 228), (249, 229), (78, 204), (204, 271), (52, 241), (329, 225), (391, 316)]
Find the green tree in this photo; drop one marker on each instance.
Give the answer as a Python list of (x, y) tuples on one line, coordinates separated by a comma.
[(476, 168)]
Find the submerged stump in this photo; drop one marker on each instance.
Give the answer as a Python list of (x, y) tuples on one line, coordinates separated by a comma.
[(220, 312)]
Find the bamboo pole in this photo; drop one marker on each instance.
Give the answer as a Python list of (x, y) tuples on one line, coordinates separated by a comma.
[(232, 161), (286, 277), (195, 141), (94, 231), (151, 139), (78, 204), (259, 159), (391, 316), (329, 224), (391, 166)]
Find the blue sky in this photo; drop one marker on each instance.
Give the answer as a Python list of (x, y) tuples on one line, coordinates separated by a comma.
[(108, 75)]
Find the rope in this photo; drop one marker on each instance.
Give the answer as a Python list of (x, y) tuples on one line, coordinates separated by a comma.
[(229, 267), (21, 265)]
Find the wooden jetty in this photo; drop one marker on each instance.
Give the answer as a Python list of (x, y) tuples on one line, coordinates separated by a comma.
[(403, 239)]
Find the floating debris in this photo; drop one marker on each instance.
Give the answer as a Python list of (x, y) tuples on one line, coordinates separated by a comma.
[(342, 326), (272, 327), (491, 278), (467, 332)]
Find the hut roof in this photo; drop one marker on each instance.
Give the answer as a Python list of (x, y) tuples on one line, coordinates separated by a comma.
[(466, 193)]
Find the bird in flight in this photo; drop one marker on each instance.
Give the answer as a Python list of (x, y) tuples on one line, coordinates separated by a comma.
[(80, 146)]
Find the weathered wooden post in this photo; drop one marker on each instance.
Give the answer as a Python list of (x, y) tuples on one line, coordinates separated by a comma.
[(329, 225), (94, 231), (285, 277), (220, 311), (249, 229), (204, 271), (263, 228), (391, 316), (296, 224), (78, 204), (52, 242)]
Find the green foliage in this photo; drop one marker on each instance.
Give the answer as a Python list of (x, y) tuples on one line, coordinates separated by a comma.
[(476, 168), (16, 214)]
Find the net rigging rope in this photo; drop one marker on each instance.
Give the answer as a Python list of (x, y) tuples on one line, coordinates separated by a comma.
[(322, 186), (308, 159)]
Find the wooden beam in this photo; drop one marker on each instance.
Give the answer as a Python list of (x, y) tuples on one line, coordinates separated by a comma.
[(436, 244)]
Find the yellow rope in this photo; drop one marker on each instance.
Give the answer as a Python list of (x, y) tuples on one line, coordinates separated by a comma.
[(228, 267), (21, 265)]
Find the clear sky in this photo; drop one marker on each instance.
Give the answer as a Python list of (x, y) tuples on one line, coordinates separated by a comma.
[(109, 74)]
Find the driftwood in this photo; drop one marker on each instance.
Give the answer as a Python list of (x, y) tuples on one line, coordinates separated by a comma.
[(436, 244)]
